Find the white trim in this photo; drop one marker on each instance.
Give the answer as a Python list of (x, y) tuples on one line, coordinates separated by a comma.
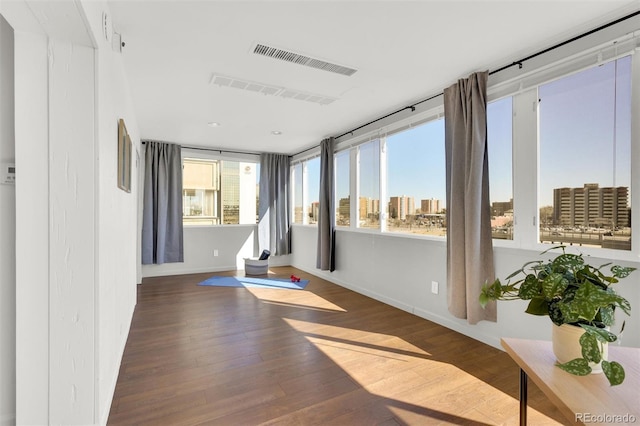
[(219, 155)]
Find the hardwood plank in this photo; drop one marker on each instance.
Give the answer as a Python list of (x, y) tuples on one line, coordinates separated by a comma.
[(324, 355)]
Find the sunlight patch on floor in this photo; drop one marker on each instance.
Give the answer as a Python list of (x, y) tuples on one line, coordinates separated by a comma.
[(336, 340), (290, 298), (414, 385)]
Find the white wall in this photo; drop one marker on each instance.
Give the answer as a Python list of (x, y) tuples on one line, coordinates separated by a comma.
[(7, 233), (233, 242), (398, 270), (32, 229), (72, 233), (75, 230), (117, 225)]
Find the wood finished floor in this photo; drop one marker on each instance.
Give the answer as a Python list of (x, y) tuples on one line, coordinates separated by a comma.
[(321, 356)]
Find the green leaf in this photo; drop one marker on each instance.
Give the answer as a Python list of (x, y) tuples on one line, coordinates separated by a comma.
[(571, 262), (602, 334), (567, 314), (555, 313), (484, 299), (590, 348), (554, 285), (606, 315), (589, 299), (621, 271), (578, 367), (614, 372), (623, 304), (530, 288), (538, 306)]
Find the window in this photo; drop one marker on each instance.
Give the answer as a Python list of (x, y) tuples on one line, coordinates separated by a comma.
[(343, 199), (499, 146), (369, 185), (584, 164), (219, 192), (416, 180), (297, 193), (313, 189)]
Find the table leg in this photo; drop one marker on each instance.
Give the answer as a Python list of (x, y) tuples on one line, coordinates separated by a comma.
[(523, 398)]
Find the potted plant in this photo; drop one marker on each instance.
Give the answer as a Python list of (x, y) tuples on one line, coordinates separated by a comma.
[(572, 293)]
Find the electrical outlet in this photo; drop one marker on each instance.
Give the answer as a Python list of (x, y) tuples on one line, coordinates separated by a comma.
[(434, 287), (215, 253)]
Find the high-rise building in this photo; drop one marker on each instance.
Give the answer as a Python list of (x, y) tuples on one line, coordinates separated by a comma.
[(369, 207), (430, 206), (591, 206), (315, 212), (344, 210), (230, 192), (400, 207)]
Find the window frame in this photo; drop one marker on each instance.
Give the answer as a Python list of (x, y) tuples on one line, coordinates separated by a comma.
[(525, 145), (206, 155)]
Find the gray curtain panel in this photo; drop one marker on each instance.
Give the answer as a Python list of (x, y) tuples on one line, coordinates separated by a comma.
[(326, 216), (162, 204), (274, 223), (469, 244)]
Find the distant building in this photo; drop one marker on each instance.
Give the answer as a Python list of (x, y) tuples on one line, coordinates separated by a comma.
[(499, 208), (344, 208), (591, 206), (400, 207), (315, 212), (369, 207), (430, 206)]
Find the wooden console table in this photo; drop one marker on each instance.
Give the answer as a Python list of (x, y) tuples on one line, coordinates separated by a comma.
[(582, 400)]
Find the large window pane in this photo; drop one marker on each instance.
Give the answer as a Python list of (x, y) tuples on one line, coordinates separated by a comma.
[(313, 189), (297, 193), (218, 192), (200, 193), (369, 185), (416, 180), (343, 203), (499, 143), (585, 145)]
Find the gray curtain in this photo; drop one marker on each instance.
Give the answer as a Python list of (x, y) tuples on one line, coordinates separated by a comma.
[(326, 216), (162, 204), (469, 244), (273, 209)]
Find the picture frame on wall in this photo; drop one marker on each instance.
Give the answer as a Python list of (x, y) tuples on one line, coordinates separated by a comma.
[(124, 157)]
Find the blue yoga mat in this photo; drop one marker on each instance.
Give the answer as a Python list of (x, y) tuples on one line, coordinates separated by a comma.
[(250, 282)]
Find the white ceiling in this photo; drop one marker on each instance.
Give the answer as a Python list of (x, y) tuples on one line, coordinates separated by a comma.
[(404, 51)]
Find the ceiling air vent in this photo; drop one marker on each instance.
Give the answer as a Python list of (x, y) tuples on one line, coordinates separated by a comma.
[(267, 89), (296, 58)]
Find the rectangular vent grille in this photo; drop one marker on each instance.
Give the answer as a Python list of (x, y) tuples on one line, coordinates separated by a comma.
[(265, 89), (296, 58)]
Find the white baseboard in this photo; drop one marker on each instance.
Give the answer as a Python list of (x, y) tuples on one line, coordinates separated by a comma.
[(185, 271)]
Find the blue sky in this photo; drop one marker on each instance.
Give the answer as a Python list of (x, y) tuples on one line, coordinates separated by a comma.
[(416, 160), (577, 129)]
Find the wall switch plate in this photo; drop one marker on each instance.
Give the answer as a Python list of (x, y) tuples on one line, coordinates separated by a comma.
[(434, 287), (8, 174), (215, 253)]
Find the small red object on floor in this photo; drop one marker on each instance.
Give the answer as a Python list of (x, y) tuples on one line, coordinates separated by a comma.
[(295, 279)]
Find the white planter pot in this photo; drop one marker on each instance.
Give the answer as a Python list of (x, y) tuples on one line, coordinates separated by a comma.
[(566, 345)]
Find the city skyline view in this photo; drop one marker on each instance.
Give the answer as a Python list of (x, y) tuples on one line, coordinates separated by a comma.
[(584, 138)]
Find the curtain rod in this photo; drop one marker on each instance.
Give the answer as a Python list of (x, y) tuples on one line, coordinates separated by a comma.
[(519, 62), (200, 148)]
